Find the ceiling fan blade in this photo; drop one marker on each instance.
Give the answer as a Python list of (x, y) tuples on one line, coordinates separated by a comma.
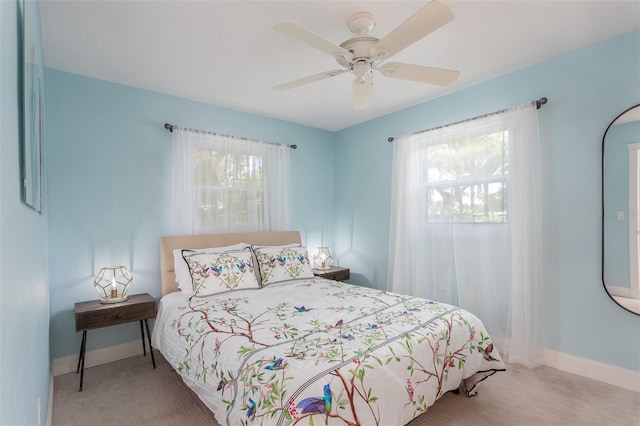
[(425, 21), (310, 79), (362, 91), (430, 75), (298, 32)]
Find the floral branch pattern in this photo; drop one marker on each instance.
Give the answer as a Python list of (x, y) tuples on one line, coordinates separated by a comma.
[(314, 352)]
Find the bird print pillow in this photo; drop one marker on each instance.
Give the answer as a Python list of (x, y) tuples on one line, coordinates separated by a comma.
[(214, 273), (283, 263), (183, 275)]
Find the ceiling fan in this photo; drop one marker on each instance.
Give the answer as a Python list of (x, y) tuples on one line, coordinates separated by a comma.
[(363, 54)]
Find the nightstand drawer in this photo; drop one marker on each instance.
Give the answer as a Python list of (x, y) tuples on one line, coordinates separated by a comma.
[(335, 273), (90, 315)]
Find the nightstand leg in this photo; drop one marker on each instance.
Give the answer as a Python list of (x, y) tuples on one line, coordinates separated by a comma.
[(146, 323), (144, 347), (83, 348)]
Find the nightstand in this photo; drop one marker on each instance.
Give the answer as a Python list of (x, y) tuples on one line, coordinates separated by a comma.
[(93, 314), (334, 273)]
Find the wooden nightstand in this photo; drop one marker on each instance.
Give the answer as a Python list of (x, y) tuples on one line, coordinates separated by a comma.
[(93, 314), (334, 273)]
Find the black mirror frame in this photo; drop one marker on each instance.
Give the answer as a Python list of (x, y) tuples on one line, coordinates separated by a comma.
[(604, 136)]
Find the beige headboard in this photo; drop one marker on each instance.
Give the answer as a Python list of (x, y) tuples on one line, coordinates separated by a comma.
[(168, 244)]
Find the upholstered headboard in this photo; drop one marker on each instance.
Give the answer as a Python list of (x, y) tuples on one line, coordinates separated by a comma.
[(168, 244)]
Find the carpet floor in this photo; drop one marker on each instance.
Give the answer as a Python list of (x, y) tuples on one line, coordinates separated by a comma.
[(130, 392)]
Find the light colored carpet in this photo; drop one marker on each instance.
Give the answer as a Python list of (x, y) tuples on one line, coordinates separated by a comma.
[(131, 392)]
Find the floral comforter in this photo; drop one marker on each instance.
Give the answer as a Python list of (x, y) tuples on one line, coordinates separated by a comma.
[(321, 352)]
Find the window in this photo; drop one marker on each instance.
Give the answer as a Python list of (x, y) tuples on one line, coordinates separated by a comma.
[(229, 187), (466, 179), (227, 184), (453, 235)]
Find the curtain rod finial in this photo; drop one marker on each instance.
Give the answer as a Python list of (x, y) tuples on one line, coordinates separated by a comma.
[(541, 102), (169, 127)]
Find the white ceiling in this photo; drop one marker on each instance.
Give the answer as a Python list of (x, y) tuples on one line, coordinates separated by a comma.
[(226, 52)]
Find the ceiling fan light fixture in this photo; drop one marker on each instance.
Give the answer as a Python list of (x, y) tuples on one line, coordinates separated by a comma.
[(361, 68), (362, 92), (361, 80)]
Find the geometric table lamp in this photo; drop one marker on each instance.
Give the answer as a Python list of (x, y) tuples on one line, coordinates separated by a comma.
[(112, 284), (323, 258)]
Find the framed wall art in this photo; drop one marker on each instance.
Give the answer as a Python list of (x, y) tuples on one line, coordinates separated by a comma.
[(33, 107)]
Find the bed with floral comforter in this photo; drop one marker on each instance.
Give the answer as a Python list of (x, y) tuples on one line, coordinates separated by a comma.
[(316, 351)]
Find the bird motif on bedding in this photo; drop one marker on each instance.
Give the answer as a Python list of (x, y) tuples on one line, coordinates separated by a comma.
[(278, 364), (242, 266), (269, 262), (215, 269), (486, 353), (320, 405), (302, 309), (251, 411), (338, 324)]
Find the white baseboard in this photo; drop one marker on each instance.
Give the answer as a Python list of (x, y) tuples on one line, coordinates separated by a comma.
[(69, 363), (611, 374)]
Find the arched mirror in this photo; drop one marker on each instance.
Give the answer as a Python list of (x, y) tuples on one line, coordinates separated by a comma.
[(621, 209)]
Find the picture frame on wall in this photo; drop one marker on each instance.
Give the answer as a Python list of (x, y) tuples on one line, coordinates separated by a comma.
[(33, 107)]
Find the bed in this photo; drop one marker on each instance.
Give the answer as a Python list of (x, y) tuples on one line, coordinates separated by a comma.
[(267, 347)]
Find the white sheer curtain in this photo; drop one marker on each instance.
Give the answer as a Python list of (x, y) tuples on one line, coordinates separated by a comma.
[(485, 260), (226, 184)]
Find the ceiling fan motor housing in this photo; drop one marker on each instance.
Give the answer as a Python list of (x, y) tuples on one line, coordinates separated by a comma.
[(360, 48)]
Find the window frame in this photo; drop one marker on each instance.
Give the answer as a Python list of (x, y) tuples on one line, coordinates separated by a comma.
[(467, 182), (205, 217)]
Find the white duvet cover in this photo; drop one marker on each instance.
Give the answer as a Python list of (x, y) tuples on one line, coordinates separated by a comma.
[(321, 352)]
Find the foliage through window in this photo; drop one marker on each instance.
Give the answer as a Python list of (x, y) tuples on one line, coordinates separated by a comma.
[(466, 221), (229, 187), (226, 184), (466, 179)]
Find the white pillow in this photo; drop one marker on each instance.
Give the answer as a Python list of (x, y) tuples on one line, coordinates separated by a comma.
[(283, 263), (183, 276), (214, 273)]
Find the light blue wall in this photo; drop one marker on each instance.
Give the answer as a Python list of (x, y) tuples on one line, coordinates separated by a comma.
[(586, 89), (616, 236), (24, 294), (109, 163)]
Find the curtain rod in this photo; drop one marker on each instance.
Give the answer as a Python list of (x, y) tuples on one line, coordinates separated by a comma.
[(170, 127), (539, 104)]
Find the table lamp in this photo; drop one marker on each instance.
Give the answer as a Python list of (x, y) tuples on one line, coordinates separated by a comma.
[(112, 284), (323, 258)]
